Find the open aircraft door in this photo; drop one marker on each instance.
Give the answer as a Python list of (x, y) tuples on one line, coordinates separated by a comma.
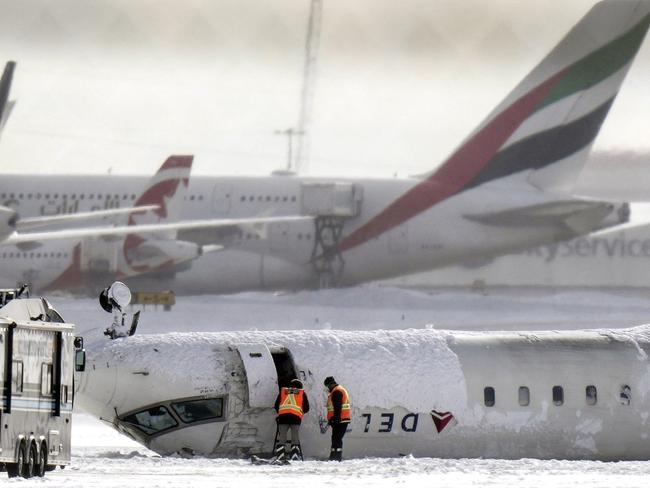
[(261, 375)]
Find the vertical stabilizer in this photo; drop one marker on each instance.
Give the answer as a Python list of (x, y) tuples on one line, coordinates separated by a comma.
[(167, 189), (543, 130), (5, 88)]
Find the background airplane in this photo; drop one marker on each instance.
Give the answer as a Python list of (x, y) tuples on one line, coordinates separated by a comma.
[(506, 188)]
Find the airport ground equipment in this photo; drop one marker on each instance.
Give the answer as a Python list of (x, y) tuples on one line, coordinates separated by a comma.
[(38, 356)]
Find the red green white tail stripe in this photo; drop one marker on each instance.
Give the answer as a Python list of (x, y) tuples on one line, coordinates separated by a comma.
[(552, 116)]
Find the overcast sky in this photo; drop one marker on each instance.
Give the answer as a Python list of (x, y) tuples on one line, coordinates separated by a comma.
[(117, 85)]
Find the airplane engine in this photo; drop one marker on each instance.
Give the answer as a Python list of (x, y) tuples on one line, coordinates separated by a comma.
[(8, 218), (154, 253)]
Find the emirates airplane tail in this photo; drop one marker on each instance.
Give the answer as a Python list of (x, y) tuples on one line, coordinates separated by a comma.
[(539, 136)]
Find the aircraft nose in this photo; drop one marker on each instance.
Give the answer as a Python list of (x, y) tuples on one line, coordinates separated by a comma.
[(95, 388)]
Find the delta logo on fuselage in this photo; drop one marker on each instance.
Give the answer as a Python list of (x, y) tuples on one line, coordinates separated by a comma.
[(387, 422)]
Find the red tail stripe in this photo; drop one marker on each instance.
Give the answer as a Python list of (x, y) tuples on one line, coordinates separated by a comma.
[(177, 162), (457, 171)]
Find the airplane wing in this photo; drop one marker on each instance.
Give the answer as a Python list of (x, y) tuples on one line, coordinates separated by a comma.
[(32, 222), (121, 231)]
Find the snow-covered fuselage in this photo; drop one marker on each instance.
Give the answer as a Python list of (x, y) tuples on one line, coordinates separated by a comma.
[(282, 254), (570, 395)]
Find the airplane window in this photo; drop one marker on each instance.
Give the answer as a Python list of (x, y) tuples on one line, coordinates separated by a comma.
[(20, 196), (124, 197), (201, 197), (259, 199), (38, 196), (242, 198), (293, 199), (592, 395), (192, 198), (82, 196), (74, 196), (524, 396), (558, 395), (152, 420), (626, 395), (488, 396), (3, 195), (47, 196), (268, 198), (29, 196), (284, 199), (11, 195), (196, 410)]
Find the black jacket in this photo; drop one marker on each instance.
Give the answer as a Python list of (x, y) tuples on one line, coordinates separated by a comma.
[(288, 418)]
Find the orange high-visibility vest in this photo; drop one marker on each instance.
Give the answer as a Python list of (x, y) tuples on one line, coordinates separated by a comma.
[(346, 409), (291, 401)]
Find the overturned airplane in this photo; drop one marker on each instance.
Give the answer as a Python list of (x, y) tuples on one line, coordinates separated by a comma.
[(566, 395)]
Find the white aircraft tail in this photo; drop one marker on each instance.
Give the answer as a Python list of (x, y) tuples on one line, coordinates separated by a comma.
[(167, 190), (543, 130)]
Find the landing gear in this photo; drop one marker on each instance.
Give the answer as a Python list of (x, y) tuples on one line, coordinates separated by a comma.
[(327, 261)]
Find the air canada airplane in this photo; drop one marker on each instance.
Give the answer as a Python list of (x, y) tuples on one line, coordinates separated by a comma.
[(579, 394), (505, 189)]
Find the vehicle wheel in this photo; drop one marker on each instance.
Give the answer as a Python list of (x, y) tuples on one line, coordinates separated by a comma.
[(42, 461), (32, 461), (16, 469)]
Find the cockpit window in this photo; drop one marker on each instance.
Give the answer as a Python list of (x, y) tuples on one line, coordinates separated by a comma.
[(196, 410), (152, 420)]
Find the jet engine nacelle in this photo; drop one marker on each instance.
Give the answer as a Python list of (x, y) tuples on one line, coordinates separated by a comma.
[(154, 253), (8, 219)]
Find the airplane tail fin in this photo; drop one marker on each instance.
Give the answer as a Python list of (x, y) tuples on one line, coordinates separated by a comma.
[(5, 87), (543, 130), (166, 189), (545, 127)]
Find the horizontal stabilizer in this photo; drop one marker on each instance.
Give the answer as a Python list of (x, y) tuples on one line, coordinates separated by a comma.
[(577, 215)]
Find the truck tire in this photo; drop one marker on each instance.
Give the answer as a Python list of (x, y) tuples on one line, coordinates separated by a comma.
[(32, 461), (17, 468), (42, 461)]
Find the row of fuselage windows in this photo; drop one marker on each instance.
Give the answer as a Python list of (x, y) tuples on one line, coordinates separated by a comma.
[(591, 395), (267, 198), (73, 196), (101, 196), (34, 255)]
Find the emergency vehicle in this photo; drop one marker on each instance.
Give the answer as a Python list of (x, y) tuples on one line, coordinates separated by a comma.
[(38, 356)]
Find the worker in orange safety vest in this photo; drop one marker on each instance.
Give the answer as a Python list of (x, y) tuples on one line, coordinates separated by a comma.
[(339, 413), (291, 404)]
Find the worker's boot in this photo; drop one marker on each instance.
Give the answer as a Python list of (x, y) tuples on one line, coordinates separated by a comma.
[(296, 454), (280, 454), (338, 455), (332, 454)]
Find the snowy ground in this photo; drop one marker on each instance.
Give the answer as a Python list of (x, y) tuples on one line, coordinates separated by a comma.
[(103, 458)]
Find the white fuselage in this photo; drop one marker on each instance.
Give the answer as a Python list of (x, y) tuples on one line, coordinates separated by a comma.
[(570, 395), (280, 256)]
